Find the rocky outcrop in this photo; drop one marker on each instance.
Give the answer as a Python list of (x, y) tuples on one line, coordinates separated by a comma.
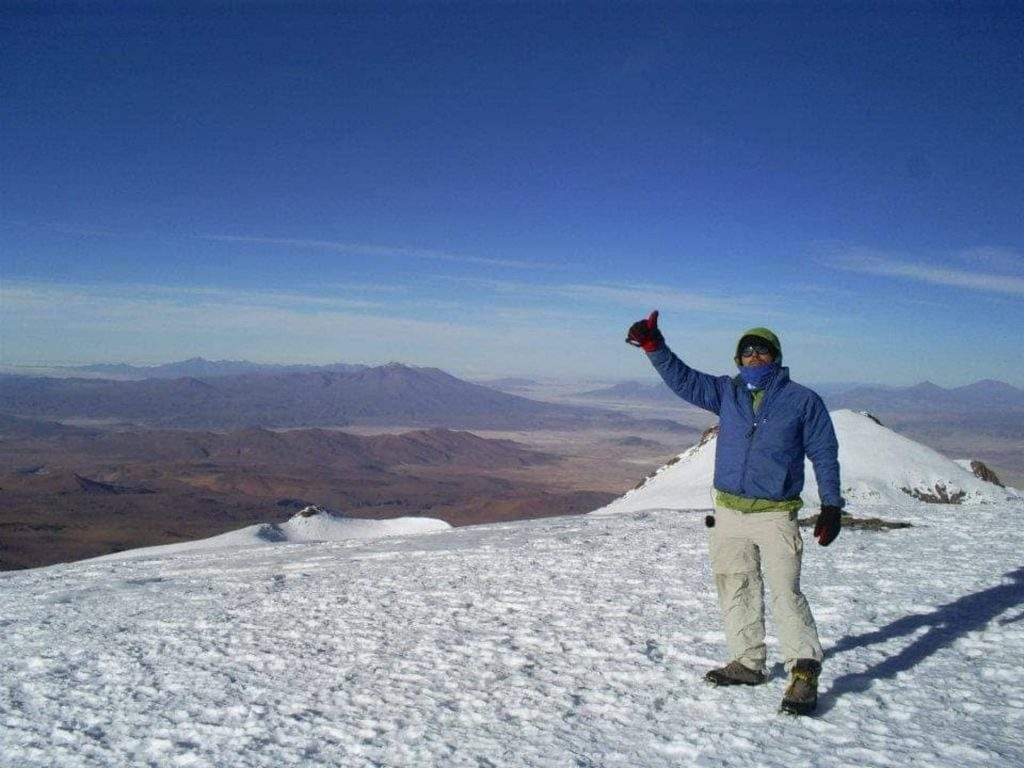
[(708, 434), (984, 473), (937, 495), (873, 418)]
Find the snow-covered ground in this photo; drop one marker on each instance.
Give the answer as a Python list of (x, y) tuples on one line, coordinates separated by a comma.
[(568, 641), (576, 641)]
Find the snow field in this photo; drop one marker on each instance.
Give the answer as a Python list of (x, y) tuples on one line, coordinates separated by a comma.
[(561, 642)]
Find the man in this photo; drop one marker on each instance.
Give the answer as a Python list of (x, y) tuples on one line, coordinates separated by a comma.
[(767, 425)]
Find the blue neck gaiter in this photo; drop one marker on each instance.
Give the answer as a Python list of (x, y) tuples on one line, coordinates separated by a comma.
[(756, 376)]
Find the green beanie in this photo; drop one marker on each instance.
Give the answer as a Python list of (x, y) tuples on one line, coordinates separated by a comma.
[(761, 333)]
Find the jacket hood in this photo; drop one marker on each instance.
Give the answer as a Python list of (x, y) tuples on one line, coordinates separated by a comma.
[(762, 333)]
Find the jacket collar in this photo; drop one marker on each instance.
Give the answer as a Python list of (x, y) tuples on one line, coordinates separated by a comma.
[(778, 381)]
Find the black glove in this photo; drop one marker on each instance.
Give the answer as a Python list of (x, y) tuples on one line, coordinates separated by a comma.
[(828, 525), (645, 334)]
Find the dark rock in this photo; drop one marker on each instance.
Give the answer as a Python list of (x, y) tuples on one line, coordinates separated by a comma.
[(940, 495), (873, 418), (862, 523), (984, 473), (706, 436)]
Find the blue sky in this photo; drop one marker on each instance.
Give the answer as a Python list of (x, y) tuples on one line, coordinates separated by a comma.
[(503, 188)]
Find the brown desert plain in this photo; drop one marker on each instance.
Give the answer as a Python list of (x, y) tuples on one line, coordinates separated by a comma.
[(69, 492)]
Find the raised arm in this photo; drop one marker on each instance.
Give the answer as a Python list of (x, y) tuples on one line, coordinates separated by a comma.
[(696, 388)]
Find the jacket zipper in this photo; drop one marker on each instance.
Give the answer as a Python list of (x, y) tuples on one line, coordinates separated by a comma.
[(753, 429), (750, 442)]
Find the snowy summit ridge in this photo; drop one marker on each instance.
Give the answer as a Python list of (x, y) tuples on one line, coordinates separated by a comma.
[(878, 468)]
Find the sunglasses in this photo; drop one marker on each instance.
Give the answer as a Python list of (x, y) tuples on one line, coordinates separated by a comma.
[(762, 350)]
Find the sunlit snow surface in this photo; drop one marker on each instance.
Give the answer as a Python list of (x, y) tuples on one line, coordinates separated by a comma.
[(320, 526), (562, 642)]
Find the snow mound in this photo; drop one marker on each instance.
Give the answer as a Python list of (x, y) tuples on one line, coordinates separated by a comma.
[(878, 467), (312, 524), (319, 524)]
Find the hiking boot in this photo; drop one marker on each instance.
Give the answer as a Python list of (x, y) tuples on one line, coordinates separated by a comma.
[(801, 696), (735, 673)]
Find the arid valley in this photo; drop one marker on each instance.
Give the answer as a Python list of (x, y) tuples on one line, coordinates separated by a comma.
[(91, 465)]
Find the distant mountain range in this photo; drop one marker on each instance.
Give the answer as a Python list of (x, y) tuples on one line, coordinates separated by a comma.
[(981, 395), (634, 391), (197, 367), (392, 394)]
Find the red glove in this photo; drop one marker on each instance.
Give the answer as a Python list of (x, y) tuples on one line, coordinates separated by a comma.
[(645, 334), (828, 525)]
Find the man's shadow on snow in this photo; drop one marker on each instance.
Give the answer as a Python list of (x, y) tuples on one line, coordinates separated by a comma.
[(945, 624)]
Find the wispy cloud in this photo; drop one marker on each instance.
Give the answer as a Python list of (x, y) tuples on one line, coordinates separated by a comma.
[(875, 263), (43, 323), (76, 231), (501, 326), (41, 294), (360, 249), (153, 318), (652, 296), (636, 297), (365, 249), (994, 257)]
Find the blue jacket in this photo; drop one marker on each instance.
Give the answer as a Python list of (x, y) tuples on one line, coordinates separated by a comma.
[(762, 456)]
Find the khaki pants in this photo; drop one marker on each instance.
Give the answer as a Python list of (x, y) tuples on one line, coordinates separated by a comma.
[(742, 547)]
